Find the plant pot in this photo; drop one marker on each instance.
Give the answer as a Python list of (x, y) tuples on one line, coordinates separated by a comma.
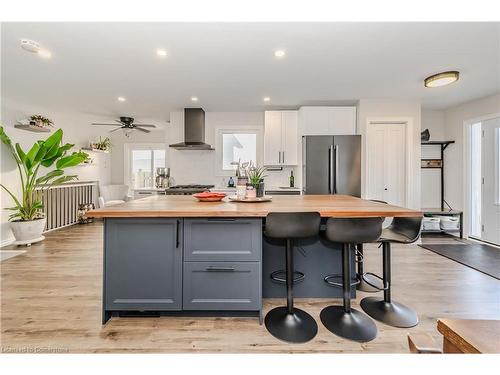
[(28, 232), (259, 188)]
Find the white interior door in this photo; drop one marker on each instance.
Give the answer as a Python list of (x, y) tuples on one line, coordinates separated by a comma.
[(386, 163), (490, 170)]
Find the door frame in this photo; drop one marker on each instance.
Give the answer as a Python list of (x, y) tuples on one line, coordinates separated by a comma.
[(466, 162), (411, 180)]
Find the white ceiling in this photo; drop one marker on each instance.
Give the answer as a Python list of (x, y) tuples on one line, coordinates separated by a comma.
[(231, 66)]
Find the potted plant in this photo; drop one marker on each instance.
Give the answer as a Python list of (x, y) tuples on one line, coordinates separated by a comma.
[(102, 144), (256, 179), (27, 220), (40, 121)]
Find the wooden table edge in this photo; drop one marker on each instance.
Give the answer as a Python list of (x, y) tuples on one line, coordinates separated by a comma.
[(454, 338)]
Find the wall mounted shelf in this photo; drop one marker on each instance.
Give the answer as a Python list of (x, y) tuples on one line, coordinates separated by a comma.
[(32, 128), (94, 150)]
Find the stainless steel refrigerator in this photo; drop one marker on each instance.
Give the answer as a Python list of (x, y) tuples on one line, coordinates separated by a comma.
[(332, 164)]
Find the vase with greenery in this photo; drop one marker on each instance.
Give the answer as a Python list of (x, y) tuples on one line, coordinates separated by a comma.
[(27, 219), (256, 179), (102, 144), (40, 121)]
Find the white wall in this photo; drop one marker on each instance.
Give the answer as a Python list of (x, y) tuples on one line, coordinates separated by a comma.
[(188, 167), (77, 130), (434, 120), (388, 109), (454, 130)]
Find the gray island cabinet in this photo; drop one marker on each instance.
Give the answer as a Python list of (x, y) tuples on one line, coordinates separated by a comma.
[(177, 264), (172, 255)]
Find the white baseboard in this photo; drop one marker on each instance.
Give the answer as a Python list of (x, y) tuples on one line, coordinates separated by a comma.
[(7, 241)]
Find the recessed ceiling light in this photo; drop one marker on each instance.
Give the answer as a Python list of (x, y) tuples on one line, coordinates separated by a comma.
[(194, 99), (441, 79), (267, 99), (279, 53), (121, 99), (35, 47), (161, 52)]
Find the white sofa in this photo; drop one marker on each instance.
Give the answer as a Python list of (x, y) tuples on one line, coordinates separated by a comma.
[(113, 194)]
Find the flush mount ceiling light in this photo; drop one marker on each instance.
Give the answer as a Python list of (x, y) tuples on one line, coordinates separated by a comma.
[(267, 99), (441, 79), (194, 99), (121, 99), (35, 47), (279, 53), (161, 52)]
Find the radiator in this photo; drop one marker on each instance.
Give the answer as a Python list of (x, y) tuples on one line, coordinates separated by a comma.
[(60, 203)]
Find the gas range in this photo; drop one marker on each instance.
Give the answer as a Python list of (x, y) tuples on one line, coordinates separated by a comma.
[(187, 189)]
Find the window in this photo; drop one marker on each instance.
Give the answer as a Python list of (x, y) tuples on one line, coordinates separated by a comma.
[(142, 161), (235, 145)]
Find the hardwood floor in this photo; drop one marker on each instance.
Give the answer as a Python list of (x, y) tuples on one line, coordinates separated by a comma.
[(51, 302)]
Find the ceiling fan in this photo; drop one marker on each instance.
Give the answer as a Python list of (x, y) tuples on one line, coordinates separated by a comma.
[(127, 123)]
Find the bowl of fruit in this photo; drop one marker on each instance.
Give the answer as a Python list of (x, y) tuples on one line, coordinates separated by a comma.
[(208, 196)]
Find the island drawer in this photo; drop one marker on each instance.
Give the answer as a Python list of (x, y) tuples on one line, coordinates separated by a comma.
[(222, 239), (222, 286)]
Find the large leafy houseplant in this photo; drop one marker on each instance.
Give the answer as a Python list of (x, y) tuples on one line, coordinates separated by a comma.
[(48, 153)]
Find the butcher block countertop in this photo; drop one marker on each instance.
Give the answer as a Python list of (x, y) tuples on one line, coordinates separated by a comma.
[(188, 206)]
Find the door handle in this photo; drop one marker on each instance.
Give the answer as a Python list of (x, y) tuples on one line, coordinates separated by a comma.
[(219, 269), (177, 236)]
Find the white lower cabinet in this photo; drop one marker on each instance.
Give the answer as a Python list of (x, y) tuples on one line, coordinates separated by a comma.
[(281, 139)]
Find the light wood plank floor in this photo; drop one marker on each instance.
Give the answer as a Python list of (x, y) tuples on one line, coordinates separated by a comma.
[(51, 299)]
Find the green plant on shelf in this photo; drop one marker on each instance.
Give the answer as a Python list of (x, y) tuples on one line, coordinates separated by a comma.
[(102, 144), (40, 121), (44, 153)]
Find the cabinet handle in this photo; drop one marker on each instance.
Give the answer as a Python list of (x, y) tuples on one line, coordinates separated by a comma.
[(283, 157), (219, 269), (279, 157), (221, 219), (177, 237)]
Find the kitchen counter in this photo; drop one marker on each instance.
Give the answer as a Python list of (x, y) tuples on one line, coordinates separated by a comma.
[(187, 206), (175, 255)]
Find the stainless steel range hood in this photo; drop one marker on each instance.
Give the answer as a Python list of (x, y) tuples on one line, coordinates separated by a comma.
[(194, 131)]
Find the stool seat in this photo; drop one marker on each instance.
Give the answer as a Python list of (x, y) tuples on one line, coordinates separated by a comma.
[(288, 323)]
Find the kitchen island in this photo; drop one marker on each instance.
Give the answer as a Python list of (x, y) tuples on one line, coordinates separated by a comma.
[(174, 255)]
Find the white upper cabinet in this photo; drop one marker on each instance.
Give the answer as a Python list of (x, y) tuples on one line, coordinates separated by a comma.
[(327, 120), (281, 138)]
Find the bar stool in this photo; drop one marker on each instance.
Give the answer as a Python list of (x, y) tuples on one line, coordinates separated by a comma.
[(403, 230), (368, 282), (345, 321), (288, 323)]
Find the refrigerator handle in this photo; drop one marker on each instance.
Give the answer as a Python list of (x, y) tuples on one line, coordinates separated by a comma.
[(336, 151), (330, 170)]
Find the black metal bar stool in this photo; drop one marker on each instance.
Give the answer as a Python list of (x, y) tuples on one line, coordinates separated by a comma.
[(288, 323), (403, 230), (345, 321)]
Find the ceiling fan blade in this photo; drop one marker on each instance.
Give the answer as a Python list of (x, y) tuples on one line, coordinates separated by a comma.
[(102, 123), (145, 125), (111, 131), (142, 130), (118, 121)]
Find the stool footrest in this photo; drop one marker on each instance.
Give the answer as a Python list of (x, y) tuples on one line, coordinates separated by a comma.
[(276, 276), (386, 285), (328, 278)]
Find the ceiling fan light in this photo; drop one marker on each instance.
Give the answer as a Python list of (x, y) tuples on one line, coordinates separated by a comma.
[(442, 79)]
